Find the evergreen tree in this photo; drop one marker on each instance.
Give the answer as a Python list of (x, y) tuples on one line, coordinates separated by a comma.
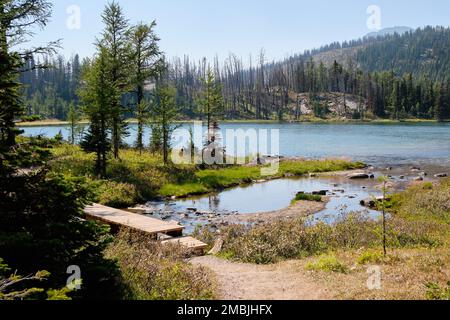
[(163, 115), (441, 103), (96, 96), (211, 102), (40, 217), (147, 64), (116, 48), (73, 118)]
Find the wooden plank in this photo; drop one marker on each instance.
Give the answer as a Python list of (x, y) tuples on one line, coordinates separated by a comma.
[(130, 220), (188, 242)]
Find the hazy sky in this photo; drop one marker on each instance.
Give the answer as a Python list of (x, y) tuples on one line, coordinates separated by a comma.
[(208, 27)]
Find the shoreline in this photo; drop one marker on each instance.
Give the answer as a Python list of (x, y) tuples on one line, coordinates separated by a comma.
[(59, 123), (299, 209)]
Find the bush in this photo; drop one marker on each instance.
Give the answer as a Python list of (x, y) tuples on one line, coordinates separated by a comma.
[(118, 195), (272, 242), (41, 229), (150, 271), (32, 118), (327, 263), (370, 257), (436, 292)]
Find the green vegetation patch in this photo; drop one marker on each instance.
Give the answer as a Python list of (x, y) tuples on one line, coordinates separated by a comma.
[(327, 263), (142, 176), (307, 197)]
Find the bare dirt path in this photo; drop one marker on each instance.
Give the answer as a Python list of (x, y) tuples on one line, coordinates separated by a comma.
[(241, 281)]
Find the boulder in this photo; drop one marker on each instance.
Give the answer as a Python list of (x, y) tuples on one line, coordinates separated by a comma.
[(441, 175), (320, 193), (359, 175), (418, 179), (370, 203)]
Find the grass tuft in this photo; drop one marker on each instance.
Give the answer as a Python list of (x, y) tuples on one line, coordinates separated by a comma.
[(327, 263)]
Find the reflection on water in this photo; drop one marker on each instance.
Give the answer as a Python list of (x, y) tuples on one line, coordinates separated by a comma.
[(345, 197)]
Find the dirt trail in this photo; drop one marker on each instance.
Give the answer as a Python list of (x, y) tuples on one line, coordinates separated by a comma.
[(240, 281)]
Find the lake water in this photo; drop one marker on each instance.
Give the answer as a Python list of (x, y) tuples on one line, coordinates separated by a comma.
[(381, 145), (376, 144)]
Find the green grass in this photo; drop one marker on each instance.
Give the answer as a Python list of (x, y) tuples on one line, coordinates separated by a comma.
[(210, 180), (307, 197), (327, 263), (370, 257), (423, 202)]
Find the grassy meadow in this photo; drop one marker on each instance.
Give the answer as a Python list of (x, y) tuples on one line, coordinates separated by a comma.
[(137, 177)]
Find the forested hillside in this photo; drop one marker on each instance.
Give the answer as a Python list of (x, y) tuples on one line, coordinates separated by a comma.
[(424, 52), (394, 76)]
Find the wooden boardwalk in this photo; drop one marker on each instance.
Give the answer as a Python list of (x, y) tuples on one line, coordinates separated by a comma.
[(172, 231)]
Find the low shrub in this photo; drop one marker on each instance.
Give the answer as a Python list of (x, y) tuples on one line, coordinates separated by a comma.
[(370, 257), (327, 263), (436, 292), (281, 240), (151, 271), (118, 195)]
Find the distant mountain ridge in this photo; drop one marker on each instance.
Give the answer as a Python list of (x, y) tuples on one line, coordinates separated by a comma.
[(388, 32), (421, 52)]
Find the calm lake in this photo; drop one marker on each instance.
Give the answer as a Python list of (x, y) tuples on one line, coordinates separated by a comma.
[(376, 144), (381, 145)]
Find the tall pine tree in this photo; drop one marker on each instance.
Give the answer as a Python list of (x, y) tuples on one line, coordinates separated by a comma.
[(116, 48)]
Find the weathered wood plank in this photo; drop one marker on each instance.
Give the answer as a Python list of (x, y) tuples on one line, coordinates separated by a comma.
[(159, 229), (130, 220), (188, 242)]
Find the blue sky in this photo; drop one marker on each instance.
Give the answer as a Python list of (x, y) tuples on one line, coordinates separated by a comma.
[(208, 27)]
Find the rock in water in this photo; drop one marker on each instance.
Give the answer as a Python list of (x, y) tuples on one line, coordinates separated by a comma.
[(359, 175), (441, 175)]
